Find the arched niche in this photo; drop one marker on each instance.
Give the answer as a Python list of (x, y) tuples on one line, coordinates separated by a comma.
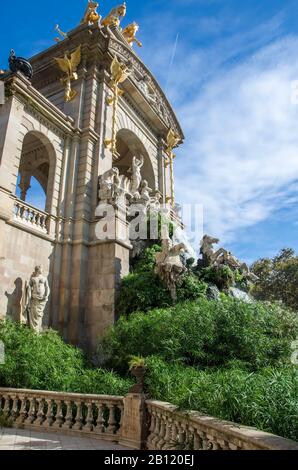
[(128, 146), (37, 161)]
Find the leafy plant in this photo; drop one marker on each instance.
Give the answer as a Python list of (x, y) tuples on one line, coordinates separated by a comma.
[(205, 334), (45, 362), (137, 361), (221, 276), (266, 399)]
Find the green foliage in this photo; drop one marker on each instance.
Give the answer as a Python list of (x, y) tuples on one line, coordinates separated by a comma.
[(143, 290), (45, 362), (266, 399), (278, 278), (146, 261), (205, 334), (222, 276), (191, 288), (5, 421)]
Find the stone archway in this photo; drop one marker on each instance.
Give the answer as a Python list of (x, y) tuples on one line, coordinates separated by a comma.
[(128, 146), (37, 161)]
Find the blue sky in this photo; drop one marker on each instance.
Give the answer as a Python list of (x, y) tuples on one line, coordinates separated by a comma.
[(230, 84)]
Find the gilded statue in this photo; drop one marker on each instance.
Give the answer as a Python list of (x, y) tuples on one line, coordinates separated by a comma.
[(172, 141), (69, 65), (91, 15), (130, 32), (120, 72), (115, 16)]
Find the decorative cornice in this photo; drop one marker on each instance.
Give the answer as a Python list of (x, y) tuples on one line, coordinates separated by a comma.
[(38, 105), (161, 105)]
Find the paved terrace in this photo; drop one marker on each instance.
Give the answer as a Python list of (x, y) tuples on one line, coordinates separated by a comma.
[(25, 439)]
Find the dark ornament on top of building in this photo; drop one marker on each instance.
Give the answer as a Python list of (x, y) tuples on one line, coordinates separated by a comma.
[(18, 64)]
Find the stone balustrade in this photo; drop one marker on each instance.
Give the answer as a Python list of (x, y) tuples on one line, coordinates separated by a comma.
[(98, 415), (30, 216), (125, 420), (171, 429)]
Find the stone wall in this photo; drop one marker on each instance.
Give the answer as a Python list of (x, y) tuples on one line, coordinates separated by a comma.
[(20, 252)]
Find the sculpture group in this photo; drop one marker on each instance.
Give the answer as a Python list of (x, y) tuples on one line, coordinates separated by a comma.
[(222, 257), (135, 190)]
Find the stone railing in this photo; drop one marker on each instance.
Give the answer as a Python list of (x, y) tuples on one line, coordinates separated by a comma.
[(171, 429), (131, 421), (30, 216), (98, 415)]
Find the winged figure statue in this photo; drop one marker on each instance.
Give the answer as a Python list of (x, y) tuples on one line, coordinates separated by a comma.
[(172, 140), (119, 71), (69, 65)]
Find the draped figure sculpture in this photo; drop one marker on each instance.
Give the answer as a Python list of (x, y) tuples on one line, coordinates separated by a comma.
[(136, 179), (38, 292)]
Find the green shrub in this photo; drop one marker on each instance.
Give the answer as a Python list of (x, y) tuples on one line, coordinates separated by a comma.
[(142, 292), (191, 288), (205, 334), (266, 399), (45, 362), (222, 276)]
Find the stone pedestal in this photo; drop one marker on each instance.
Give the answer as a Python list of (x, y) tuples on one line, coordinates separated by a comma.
[(134, 422)]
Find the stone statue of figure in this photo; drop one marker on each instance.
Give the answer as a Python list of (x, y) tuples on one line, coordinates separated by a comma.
[(109, 185), (145, 192), (136, 179), (38, 294), (169, 266)]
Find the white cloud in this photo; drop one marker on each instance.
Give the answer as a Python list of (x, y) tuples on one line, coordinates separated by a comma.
[(241, 155)]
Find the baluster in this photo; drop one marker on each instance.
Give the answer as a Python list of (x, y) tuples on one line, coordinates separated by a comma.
[(32, 411), (23, 410), (41, 416), (21, 212), (224, 445), (50, 415), (162, 433), (59, 415), (174, 437), (42, 222), (89, 419), (168, 433), (121, 408), (204, 440), (181, 436), (152, 426), (79, 417), (6, 408), (197, 441), (188, 437), (112, 420), (156, 431), (37, 218), (68, 417), (100, 427), (15, 408)]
